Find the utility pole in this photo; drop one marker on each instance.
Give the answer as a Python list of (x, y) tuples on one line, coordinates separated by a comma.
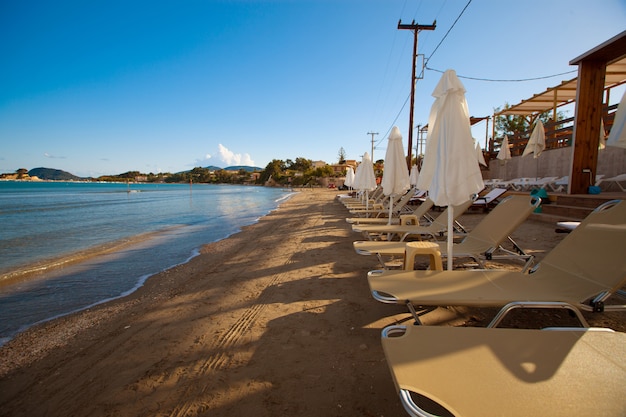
[(372, 133), (415, 28)]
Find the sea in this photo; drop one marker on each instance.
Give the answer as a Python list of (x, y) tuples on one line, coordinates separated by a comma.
[(67, 246)]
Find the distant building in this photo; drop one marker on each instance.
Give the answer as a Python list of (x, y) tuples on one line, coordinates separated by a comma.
[(340, 169)]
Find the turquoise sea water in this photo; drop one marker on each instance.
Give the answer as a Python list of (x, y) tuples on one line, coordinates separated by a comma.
[(56, 239)]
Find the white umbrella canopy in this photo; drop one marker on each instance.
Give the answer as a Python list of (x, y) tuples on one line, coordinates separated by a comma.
[(450, 172), (364, 179), (603, 136), (505, 153), (617, 137), (349, 178), (414, 175), (479, 154), (396, 175), (537, 142)]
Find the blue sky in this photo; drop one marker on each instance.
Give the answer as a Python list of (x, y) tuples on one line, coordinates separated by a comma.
[(104, 87)]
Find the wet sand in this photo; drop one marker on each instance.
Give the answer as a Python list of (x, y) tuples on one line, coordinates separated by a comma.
[(275, 320)]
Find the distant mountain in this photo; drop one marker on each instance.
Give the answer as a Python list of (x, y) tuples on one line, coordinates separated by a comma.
[(52, 174)]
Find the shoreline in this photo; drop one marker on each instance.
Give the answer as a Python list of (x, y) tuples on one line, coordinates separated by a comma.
[(73, 322), (62, 268), (277, 319)]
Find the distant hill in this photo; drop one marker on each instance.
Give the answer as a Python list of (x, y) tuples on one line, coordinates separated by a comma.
[(244, 167), (52, 174), (235, 168)]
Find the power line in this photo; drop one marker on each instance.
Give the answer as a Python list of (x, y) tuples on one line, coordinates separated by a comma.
[(448, 32), (506, 80)]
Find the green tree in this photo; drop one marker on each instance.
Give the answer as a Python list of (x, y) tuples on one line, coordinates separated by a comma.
[(512, 125), (301, 164), (273, 169), (325, 171), (21, 173)]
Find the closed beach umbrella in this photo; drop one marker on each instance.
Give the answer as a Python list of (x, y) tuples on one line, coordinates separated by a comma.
[(349, 178), (505, 153), (479, 154), (365, 180), (537, 142), (450, 172), (396, 175), (603, 136), (617, 137), (414, 175)]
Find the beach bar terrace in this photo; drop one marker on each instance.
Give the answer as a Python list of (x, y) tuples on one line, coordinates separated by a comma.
[(571, 143)]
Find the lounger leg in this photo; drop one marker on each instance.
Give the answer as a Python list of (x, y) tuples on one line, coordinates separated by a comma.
[(413, 312)]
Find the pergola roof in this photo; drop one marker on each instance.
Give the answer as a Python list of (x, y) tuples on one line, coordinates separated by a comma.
[(565, 93)]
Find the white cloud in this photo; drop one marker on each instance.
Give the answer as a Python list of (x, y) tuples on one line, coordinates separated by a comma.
[(230, 158)]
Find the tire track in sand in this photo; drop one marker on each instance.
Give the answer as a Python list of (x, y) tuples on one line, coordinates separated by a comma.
[(222, 345)]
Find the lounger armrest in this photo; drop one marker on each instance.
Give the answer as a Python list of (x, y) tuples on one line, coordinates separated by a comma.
[(405, 395), (393, 330), (536, 304), (384, 297)]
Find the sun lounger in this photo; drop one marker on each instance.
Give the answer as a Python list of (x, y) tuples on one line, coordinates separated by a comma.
[(540, 182), (484, 242), (580, 273), (489, 200), (618, 179), (400, 205), (560, 184), (437, 228), (419, 212), (373, 196), (419, 197), (512, 183), (397, 203), (566, 227), (522, 184), (473, 371), (491, 183)]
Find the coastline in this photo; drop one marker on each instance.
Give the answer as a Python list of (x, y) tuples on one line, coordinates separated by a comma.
[(87, 267), (277, 319)]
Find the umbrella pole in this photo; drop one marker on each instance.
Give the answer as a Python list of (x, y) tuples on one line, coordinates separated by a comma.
[(390, 208), (450, 235)]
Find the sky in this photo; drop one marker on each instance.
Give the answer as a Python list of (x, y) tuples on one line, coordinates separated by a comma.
[(105, 87)]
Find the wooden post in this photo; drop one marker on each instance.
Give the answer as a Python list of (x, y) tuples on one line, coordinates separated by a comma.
[(587, 125), (415, 28)]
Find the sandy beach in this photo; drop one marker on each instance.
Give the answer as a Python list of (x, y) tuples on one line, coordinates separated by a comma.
[(276, 320)]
